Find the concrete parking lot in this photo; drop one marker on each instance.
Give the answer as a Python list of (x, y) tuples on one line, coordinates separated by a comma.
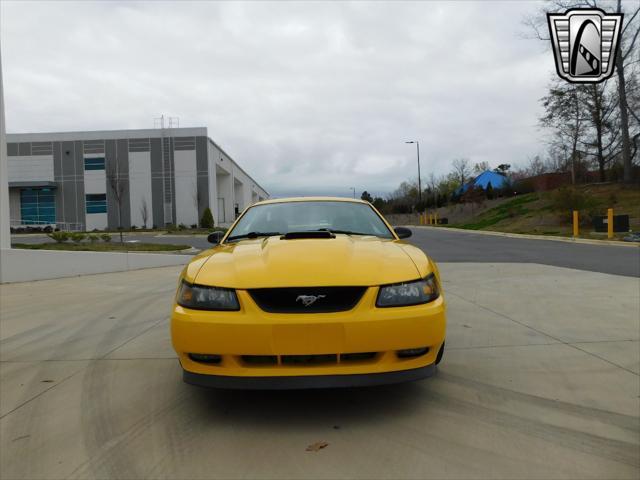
[(540, 380)]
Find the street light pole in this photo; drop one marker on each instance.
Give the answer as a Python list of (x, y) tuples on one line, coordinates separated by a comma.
[(419, 179), (354, 191)]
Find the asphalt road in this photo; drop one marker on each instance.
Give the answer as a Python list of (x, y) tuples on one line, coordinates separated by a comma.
[(445, 245), (531, 386)]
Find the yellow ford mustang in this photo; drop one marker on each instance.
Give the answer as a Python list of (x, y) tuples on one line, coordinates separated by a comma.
[(309, 293)]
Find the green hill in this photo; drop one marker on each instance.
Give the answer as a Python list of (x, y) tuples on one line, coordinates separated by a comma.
[(549, 213)]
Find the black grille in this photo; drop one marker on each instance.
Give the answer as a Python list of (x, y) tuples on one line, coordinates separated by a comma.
[(308, 359), (307, 299)]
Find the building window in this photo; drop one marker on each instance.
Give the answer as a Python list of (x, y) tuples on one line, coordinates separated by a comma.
[(37, 206), (96, 163), (96, 202)]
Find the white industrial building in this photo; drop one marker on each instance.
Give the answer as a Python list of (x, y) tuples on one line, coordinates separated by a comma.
[(106, 179)]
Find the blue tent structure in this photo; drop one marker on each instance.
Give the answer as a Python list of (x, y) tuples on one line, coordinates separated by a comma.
[(497, 181)]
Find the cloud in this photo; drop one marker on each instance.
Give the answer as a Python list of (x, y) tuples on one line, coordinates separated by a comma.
[(308, 97)]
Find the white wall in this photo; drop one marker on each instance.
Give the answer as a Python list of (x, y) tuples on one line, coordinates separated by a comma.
[(140, 187), (186, 184), (96, 221), (224, 189), (213, 183), (5, 235), (18, 265), (25, 168), (95, 181)]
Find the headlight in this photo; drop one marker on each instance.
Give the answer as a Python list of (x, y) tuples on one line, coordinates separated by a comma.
[(410, 293), (207, 298)]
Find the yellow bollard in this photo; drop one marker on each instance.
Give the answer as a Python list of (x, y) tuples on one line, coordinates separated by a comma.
[(610, 223), (576, 229)]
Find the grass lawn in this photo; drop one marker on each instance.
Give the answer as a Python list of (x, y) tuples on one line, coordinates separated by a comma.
[(103, 247), (510, 209)]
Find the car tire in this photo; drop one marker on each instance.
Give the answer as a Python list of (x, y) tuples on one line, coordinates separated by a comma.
[(440, 354)]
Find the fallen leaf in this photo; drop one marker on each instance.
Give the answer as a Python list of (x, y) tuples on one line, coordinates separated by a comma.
[(314, 447)]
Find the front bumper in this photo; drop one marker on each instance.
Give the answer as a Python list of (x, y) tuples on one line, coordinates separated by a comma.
[(308, 381), (235, 336)]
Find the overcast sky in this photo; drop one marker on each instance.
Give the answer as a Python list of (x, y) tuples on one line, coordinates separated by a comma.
[(310, 98)]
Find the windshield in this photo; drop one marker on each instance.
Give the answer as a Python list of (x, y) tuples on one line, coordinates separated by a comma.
[(339, 217)]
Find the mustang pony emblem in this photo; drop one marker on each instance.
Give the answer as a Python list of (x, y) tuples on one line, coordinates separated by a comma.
[(308, 300)]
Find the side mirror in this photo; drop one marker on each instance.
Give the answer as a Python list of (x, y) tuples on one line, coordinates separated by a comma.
[(215, 237), (403, 232)]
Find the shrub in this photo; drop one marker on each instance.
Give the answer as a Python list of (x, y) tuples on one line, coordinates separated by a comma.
[(77, 237), (93, 238), (133, 227), (568, 199), (105, 237), (207, 218), (194, 225), (182, 226), (171, 228), (59, 237)]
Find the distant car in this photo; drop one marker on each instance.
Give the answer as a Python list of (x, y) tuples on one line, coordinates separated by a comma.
[(309, 293)]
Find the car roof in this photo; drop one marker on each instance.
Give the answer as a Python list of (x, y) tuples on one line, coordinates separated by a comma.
[(309, 199)]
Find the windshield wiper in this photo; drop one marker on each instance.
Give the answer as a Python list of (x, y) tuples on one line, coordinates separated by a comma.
[(346, 232), (253, 235)]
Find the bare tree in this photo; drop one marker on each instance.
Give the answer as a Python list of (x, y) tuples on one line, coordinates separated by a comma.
[(565, 113), (118, 187), (624, 52), (481, 167), (144, 211), (461, 169), (535, 167)]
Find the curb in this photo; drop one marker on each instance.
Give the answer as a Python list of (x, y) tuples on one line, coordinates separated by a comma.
[(534, 237), (184, 251)]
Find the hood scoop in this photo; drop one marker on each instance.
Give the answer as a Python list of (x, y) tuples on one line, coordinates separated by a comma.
[(311, 234)]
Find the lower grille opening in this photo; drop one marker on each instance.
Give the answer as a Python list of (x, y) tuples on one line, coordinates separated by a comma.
[(260, 359), (354, 357), (205, 358), (308, 359), (412, 352)]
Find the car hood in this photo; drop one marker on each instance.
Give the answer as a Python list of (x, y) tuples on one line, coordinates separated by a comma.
[(274, 262)]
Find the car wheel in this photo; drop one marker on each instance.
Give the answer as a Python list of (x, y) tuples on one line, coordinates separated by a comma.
[(440, 354)]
